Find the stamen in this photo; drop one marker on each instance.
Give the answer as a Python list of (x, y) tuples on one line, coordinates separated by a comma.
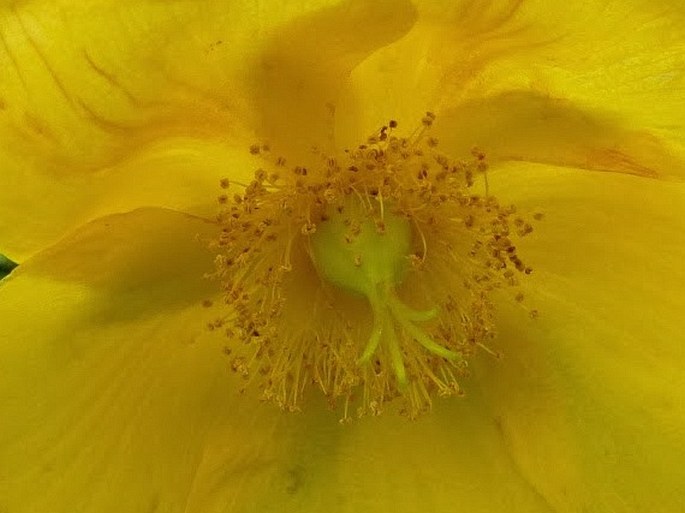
[(319, 267)]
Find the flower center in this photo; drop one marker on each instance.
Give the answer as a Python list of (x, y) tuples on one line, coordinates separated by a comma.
[(368, 277), (371, 258)]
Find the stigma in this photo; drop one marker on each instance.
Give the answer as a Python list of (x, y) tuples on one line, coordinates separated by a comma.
[(368, 277)]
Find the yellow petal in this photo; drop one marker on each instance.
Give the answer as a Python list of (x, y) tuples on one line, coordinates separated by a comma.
[(108, 107), (114, 397), (180, 172), (592, 86), (114, 105), (454, 457), (127, 398), (109, 383), (589, 395), (527, 126), (306, 64)]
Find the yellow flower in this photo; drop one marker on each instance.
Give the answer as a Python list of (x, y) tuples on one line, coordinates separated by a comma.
[(114, 396)]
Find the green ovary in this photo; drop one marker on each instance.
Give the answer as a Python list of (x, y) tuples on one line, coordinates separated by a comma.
[(370, 257)]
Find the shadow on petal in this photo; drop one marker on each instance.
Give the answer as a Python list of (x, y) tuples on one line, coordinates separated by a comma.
[(307, 63), (110, 384), (530, 127)]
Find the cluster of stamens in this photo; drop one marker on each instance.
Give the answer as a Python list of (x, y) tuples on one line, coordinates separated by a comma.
[(400, 339)]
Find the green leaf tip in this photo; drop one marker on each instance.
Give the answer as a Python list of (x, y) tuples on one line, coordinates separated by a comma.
[(6, 266)]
